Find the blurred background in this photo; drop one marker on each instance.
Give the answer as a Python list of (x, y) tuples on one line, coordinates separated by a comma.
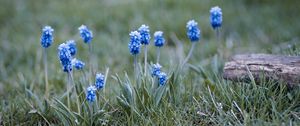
[(249, 26)]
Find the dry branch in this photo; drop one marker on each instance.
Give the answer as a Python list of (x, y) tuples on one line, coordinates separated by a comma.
[(275, 67)]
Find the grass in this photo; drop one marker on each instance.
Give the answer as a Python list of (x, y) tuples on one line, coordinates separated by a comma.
[(194, 95)]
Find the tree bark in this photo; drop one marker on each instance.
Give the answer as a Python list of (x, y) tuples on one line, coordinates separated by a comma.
[(263, 67)]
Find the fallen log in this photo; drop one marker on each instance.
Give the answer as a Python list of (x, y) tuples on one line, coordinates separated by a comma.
[(276, 67)]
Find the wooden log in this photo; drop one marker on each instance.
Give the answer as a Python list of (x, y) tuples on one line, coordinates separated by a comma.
[(276, 67)]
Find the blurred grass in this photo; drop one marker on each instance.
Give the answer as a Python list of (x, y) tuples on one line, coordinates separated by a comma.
[(250, 26)]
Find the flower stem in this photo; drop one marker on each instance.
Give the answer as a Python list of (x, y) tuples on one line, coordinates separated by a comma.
[(218, 34), (68, 88), (220, 49), (189, 54), (84, 77), (158, 54), (105, 80), (46, 73), (155, 85), (97, 100), (91, 114), (145, 60), (135, 68), (90, 59), (77, 97)]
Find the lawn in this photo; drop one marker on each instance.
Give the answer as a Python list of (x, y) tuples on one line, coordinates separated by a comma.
[(194, 94)]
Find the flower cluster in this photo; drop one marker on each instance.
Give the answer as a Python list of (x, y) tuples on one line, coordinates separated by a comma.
[(193, 32), (47, 36), (72, 47), (78, 64), (85, 34), (135, 42), (91, 93), (91, 90), (66, 52), (65, 57), (155, 69), (161, 76), (216, 17), (99, 83), (145, 34), (159, 40)]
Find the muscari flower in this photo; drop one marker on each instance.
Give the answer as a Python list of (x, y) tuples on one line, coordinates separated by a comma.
[(216, 17), (99, 81), (72, 47), (65, 57), (91, 93), (155, 69), (193, 31), (162, 78), (78, 64), (145, 34), (159, 40), (85, 34), (47, 36), (134, 43)]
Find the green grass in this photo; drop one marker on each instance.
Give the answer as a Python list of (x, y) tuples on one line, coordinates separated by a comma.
[(194, 95)]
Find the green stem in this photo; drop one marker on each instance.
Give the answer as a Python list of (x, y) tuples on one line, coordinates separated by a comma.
[(189, 54), (135, 68), (68, 88), (97, 100), (77, 97), (84, 77), (155, 85), (145, 60), (46, 73), (90, 68), (105, 80), (218, 34), (158, 54), (218, 39), (91, 113)]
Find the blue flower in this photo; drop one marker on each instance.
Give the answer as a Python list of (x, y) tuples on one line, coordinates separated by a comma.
[(193, 32), (65, 57), (47, 36), (99, 81), (78, 64), (216, 17), (159, 40), (85, 34), (155, 69), (91, 93), (72, 47), (162, 78), (134, 43), (145, 34)]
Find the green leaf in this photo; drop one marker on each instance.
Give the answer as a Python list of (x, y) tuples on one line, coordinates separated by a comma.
[(80, 117), (159, 93), (32, 111), (64, 110), (139, 100), (125, 105), (36, 99), (146, 96), (122, 102)]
